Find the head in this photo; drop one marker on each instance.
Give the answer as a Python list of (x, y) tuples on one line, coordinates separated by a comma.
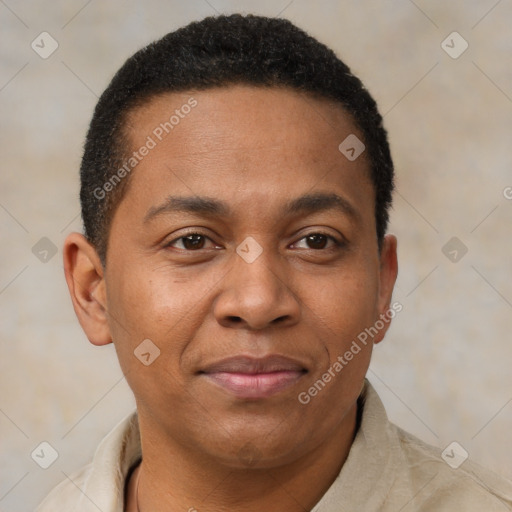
[(222, 219), (213, 53)]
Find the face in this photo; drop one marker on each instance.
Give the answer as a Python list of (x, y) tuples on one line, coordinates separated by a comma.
[(245, 249)]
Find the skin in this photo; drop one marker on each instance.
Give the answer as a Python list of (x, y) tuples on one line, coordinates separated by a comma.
[(255, 149)]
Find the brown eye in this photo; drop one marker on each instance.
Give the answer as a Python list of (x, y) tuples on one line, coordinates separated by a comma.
[(316, 241), (192, 242)]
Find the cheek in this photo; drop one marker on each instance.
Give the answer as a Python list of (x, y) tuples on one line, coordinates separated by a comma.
[(147, 303), (345, 303), (151, 305), (341, 311), (152, 323)]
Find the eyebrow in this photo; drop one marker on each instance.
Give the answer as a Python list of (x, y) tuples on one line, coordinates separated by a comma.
[(201, 205), (193, 204), (321, 201)]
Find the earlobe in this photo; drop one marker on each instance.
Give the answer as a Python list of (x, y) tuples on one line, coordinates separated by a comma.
[(388, 275), (86, 284)]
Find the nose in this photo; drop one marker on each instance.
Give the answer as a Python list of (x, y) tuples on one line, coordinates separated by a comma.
[(256, 296)]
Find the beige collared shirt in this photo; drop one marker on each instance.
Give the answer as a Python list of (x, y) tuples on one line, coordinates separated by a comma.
[(387, 470)]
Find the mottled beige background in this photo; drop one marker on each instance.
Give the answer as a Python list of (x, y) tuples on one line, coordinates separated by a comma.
[(444, 368)]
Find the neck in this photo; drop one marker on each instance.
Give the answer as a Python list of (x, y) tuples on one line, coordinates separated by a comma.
[(191, 482)]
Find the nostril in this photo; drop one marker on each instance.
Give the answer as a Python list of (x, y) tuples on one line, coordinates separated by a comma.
[(280, 319), (234, 319)]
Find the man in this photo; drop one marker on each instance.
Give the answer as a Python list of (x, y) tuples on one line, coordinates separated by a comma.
[(236, 181)]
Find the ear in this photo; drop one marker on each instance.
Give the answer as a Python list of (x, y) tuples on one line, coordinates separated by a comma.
[(84, 277), (387, 279)]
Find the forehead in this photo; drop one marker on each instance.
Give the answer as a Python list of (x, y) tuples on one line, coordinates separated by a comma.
[(266, 141), (240, 111)]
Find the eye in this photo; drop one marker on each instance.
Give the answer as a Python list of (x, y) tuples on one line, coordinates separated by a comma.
[(317, 241), (190, 242)]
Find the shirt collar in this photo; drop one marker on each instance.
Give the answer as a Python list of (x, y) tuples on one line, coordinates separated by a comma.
[(370, 469)]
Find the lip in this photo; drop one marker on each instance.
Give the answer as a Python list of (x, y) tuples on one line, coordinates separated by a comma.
[(254, 378)]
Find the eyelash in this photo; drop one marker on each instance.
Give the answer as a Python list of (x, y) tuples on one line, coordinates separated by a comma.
[(182, 237), (337, 243)]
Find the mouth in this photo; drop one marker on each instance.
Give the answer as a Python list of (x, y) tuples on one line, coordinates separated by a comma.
[(254, 378)]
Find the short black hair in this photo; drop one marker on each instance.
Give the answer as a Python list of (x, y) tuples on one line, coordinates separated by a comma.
[(215, 52)]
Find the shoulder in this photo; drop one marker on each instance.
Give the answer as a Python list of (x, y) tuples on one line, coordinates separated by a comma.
[(67, 495), (467, 486), (100, 484)]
